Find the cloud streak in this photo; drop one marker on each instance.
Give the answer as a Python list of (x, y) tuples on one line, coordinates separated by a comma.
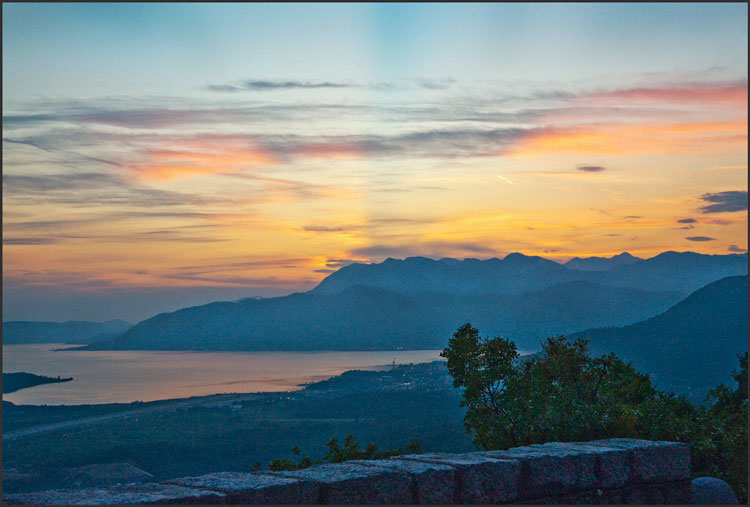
[(591, 168), (723, 202), (270, 85), (733, 92), (28, 241)]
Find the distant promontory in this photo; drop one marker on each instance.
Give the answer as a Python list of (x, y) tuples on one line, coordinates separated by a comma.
[(16, 381)]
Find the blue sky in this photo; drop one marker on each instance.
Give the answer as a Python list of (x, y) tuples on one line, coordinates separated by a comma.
[(60, 49)]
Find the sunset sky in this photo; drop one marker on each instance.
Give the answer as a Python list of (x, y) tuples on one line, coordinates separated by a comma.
[(162, 155)]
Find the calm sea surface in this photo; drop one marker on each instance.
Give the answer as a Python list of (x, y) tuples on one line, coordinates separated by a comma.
[(125, 376)]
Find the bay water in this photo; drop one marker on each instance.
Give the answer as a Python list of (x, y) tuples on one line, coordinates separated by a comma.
[(124, 376)]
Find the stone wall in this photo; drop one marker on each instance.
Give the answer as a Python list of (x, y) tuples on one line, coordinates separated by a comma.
[(614, 471)]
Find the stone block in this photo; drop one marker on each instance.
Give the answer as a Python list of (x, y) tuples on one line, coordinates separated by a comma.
[(636, 495), (711, 491), (480, 479), (580, 498), (652, 461), (612, 497), (349, 483), (149, 493), (551, 470), (655, 495), (255, 488), (612, 465), (432, 483), (104, 474), (591, 497)]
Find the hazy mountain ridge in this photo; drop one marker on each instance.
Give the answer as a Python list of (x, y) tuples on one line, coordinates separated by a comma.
[(693, 343), (601, 263), (73, 331), (371, 318), (516, 273)]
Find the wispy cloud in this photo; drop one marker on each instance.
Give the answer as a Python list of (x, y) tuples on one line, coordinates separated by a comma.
[(700, 238), (267, 85), (434, 249), (733, 92), (591, 168), (735, 248), (687, 221), (733, 200), (331, 228), (90, 189), (505, 179), (28, 241), (340, 263), (628, 139), (436, 84)]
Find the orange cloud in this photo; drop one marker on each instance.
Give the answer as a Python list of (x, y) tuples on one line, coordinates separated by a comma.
[(168, 164), (733, 94), (618, 139), (234, 156)]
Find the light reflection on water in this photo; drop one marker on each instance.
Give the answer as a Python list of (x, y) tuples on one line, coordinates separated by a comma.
[(127, 375)]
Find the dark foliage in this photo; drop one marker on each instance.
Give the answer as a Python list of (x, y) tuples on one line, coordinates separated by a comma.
[(338, 454), (564, 394)]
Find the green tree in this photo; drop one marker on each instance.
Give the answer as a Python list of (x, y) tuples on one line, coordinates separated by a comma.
[(560, 394), (564, 394), (720, 443)]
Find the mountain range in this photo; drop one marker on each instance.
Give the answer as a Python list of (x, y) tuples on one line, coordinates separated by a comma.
[(417, 303), (683, 272), (371, 318)]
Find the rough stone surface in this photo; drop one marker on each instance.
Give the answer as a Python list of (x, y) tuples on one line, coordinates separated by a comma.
[(120, 495), (652, 461), (612, 465), (548, 470), (677, 493), (254, 488), (615, 471), (712, 491), (432, 484), (481, 479), (348, 483), (84, 477), (105, 474)]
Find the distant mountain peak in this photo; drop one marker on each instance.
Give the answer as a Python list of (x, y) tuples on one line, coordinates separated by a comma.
[(419, 260), (601, 263)]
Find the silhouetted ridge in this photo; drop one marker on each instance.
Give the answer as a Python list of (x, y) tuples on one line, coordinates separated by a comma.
[(695, 342), (372, 318), (517, 273), (601, 263)]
